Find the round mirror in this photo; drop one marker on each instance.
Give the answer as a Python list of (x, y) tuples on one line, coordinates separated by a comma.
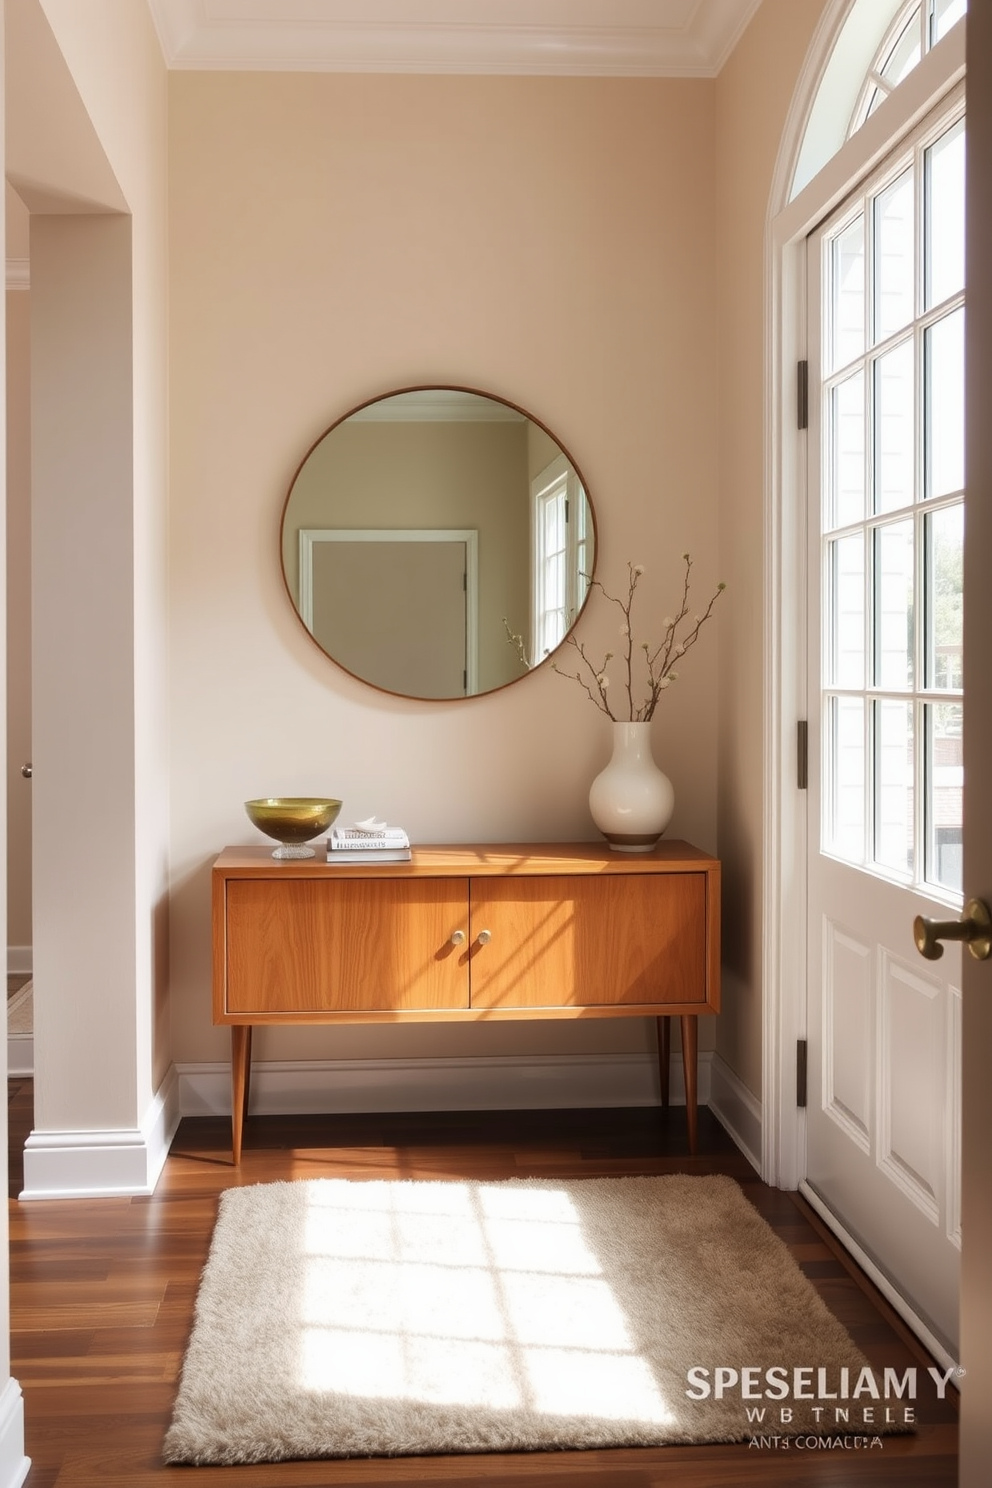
[(438, 543)]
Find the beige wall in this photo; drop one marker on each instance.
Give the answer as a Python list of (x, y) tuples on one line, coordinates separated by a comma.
[(753, 94), (550, 241)]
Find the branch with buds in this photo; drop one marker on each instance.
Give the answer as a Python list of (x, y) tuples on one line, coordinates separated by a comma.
[(680, 634)]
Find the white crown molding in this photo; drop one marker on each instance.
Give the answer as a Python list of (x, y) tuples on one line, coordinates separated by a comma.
[(577, 38)]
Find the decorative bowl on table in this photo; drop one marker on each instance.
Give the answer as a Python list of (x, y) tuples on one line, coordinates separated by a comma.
[(293, 821)]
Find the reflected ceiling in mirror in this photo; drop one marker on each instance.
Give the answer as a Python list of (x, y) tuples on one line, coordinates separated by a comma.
[(438, 543)]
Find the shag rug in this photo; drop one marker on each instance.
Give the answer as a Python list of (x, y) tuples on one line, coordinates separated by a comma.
[(338, 1318)]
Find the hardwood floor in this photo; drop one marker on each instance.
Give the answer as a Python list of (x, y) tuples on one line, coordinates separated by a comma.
[(102, 1294)]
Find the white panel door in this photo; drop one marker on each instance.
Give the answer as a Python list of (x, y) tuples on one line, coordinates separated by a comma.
[(886, 290)]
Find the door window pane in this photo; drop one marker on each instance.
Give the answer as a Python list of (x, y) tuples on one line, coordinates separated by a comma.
[(892, 296), (893, 618), (844, 827), (892, 519), (944, 358), (847, 446), (893, 758), (946, 13), (945, 597), (945, 777), (945, 216), (895, 429), (847, 254), (846, 607)]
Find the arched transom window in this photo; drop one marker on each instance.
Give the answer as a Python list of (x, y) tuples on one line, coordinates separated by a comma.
[(915, 29)]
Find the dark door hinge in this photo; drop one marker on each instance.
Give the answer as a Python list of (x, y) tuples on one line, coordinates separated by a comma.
[(802, 396), (800, 1072), (802, 754)]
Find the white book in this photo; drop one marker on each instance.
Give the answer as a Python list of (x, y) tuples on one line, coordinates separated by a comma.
[(351, 840), (364, 855)]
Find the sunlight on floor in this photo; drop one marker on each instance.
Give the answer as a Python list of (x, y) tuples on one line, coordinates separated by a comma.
[(446, 1294)]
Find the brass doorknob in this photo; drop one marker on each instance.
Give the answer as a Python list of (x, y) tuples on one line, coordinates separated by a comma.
[(974, 928)]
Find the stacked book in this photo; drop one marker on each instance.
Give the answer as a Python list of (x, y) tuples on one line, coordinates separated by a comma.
[(380, 844)]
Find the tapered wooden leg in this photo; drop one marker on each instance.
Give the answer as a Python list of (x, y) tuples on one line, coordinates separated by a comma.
[(664, 1056), (690, 1032), (240, 1080)]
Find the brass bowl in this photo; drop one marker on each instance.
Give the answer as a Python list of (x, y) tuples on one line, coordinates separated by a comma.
[(293, 821)]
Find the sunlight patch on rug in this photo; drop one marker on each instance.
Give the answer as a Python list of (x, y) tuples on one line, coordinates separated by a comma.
[(516, 1313), (339, 1318)]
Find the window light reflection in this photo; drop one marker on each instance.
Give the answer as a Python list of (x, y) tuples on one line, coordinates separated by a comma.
[(448, 1295)]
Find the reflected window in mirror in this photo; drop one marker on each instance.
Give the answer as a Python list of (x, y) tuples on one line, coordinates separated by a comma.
[(421, 522), (560, 553)]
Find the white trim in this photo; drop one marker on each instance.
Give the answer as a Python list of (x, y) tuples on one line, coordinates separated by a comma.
[(784, 842), (14, 1466), (889, 1292), (736, 1108), (20, 1054), (498, 1083), (467, 535), (616, 38), (20, 960), (18, 273), (98, 1164)]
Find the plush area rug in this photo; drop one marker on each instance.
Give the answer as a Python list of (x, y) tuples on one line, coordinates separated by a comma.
[(339, 1318)]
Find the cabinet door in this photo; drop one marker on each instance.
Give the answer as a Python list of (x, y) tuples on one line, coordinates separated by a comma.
[(356, 945), (634, 939)]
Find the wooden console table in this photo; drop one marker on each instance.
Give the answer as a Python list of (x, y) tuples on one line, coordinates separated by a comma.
[(464, 933)]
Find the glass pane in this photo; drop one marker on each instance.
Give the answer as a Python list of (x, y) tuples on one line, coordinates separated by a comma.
[(893, 620), (848, 307), (844, 827), (847, 446), (945, 216), (945, 777), (877, 98), (946, 13), (893, 760), (905, 55), (893, 289), (894, 429), (845, 579), (944, 359), (945, 598)]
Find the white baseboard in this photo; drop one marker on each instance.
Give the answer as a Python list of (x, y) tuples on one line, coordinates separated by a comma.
[(14, 1466), (504, 1083), (96, 1164), (20, 1053), (736, 1109), (20, 960)]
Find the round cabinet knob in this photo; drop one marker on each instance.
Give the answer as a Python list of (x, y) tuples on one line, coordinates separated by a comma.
[(458, 937), (485, 936), (27, 771)]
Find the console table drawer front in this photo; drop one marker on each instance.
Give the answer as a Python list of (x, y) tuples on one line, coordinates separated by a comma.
[(604, 941), (305, 946)]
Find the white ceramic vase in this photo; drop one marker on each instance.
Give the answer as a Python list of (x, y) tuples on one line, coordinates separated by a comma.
[(631, 800)]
